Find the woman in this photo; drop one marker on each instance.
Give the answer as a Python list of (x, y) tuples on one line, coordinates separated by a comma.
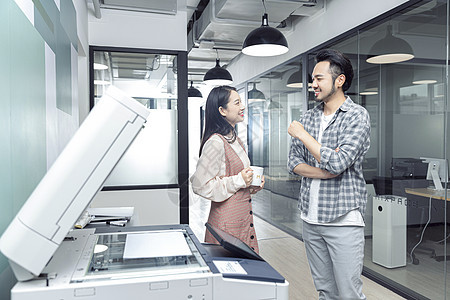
[(223, 172)]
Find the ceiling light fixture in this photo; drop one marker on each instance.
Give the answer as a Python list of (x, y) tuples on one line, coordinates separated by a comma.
[(390, 49), (424, 81), (101, 82), (98, 66), (296, 79), (274, 105), (218, 75), (265, 40), (425, 75), (255, 95), (193, 92), (101, 60), (371, 88), (369, 92)]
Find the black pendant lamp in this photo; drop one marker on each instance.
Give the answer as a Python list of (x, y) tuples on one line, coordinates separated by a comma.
[(390, 49), (193, 92), (426, 75), (371, 88), (274, 105), (265, 40), (296, 80), (255, 95), (218, 75)]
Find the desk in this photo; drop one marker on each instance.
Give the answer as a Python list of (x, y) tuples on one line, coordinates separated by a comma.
[(426, 192), (430, 194)]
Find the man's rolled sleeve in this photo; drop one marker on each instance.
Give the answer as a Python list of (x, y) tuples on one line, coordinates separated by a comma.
[(353, 142), (295, 155), (325, 154)]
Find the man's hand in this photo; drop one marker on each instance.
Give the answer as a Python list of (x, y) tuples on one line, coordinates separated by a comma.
[(296, 129)]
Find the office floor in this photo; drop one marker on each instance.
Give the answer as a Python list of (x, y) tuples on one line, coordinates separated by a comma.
[(427, 278), (292, 264)]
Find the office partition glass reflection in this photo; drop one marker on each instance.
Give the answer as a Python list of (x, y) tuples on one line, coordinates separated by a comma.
[(408, 105), (408, 122), (151, 79), (272, 105)]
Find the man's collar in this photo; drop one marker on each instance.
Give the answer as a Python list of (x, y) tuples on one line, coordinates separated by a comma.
[(346, 105)]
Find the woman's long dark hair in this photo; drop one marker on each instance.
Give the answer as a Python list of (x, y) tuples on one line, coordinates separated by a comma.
[(214, 121)]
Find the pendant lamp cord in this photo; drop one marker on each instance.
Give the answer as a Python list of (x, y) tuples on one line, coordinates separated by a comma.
[(264, 4)]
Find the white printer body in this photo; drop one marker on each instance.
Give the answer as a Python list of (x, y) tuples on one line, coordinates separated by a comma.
[(51, 260)]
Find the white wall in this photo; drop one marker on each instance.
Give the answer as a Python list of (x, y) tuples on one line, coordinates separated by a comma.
[(337, 17), (82, 26), (194, 106), (145, 31), (151, 207), (138, 30), (83, 59)]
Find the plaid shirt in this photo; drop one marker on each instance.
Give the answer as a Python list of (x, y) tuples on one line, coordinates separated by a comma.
[(350, 131)]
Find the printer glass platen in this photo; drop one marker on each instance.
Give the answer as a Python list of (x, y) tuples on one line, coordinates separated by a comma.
[(110, 263)]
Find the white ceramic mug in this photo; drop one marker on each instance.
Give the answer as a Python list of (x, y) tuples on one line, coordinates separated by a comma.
[(257, 175)]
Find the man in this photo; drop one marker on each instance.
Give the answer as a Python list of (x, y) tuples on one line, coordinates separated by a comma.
[(328, 146)]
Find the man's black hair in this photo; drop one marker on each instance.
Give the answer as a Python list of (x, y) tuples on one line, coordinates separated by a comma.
[(339, 64)]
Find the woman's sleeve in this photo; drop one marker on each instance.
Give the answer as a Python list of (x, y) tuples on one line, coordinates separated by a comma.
[(207, 180)]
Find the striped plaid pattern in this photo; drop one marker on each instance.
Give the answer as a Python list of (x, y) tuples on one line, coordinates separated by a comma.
[(350, 131), (235, 214)]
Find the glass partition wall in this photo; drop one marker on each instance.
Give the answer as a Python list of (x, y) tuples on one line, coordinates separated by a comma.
[(151, 79), (406, 220), (158, 157), (274, 100)]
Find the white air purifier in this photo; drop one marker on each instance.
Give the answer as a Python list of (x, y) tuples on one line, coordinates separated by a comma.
[(389, 231)]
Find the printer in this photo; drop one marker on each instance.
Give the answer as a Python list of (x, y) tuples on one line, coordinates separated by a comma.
[(52, 260)]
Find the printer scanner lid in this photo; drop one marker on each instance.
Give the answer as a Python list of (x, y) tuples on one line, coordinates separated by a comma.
[(71, 183)]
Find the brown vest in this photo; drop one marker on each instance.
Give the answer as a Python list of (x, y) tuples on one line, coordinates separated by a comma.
[(235, 214)]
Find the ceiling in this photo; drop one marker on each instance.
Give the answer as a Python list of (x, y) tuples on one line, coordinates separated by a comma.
[(217, 28)]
